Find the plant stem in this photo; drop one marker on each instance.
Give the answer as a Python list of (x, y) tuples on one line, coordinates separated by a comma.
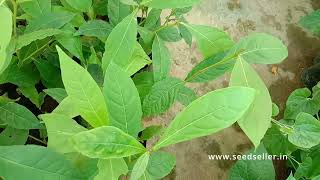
[(166, 26), (38, 140), (14, 17)]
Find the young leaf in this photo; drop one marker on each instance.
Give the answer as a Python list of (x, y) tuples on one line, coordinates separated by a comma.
[(138, 60), (300, 101), (11, 136), (121, 43), (186, 95), (86, 94), (160, 164), (257, 121), (117, 11), (35, 162), (123, 101), (111, 169), (18, 116), (311, 22), (60, 129), (106, 142), (95, 28), (306, 131), (5, 36), (170, 34), (211, 68), (253, 168), (210, 40), (36, 8), (260, 48), (202, 117), (161, 60), (140, 166), (169, 4), (53, 20), (82, 6), (28, 38), (57, 94), (161, 96)]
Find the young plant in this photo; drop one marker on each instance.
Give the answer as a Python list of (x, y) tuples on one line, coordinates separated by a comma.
[(95, 62)]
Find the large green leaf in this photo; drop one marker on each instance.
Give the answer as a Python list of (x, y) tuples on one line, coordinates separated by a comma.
[(86, 94), (117, 11), (53, 20), (111, 169), (161, 60), (211, 68), (106, 142), (306, 131), (257, 121), (36, 8), (210, 40), (161, 96), (140, 166), (260, 48), (35, 162), (57, 94), (169, 4), (18, 116), (202, 117), (67, 107), (138, 60), (121, 43), (160, 164), (5, 35), (123, 100), (82, 6), (11, 136), (312, 22), (60, 129), (300, 101), (254, 168), (95, 28)]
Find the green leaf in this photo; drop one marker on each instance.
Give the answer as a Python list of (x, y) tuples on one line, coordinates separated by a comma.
[(311, 22), (86, 94), (161, 60), (169, 4), (300, 101), (96, 72), (210, 40), (291, 177), (82, 6), (50, 74), (60, 129), (18, 116), (257, 121), (275, 110), (32, 94), (95, 28), (202, 117), (160, 164), (254, 168), (211, 68), (144, 82), (26, 39), (306, 131), (111, 169), (71, 43), (146, 38), (35, 162), (170, 34), (11, 136), (5, 36), (153, 19), (123, 101), (99, 7), (53, 20), (36, 8), (186, 95), (185, 34), (140, 166), (106, 142), (161, 96), (117, 11), (67, 108), (121, 43), (87, 166), (57, 94), (150, 131), (138, 60), (260, 48)]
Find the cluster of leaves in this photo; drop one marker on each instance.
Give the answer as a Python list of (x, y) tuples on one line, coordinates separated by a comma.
[(93, 57)]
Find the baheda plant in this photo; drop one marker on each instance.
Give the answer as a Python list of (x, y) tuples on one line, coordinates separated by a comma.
[(107, 66)]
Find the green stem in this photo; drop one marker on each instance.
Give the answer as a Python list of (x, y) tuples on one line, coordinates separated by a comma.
[(14, 17)]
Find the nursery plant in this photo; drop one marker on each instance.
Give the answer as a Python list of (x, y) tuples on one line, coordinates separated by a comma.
[(80, 77)]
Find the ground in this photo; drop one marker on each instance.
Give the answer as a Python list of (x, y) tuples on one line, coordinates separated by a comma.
[(239, 18)]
